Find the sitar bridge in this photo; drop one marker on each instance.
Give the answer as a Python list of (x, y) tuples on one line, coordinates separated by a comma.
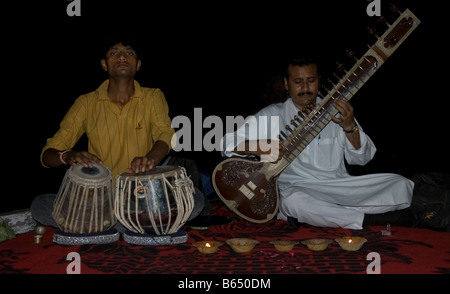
[(247, 189)]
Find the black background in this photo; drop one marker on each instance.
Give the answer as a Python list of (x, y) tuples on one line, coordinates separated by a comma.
[(218, 56)]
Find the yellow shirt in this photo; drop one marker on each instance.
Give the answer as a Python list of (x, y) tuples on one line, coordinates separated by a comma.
[(116, 136)]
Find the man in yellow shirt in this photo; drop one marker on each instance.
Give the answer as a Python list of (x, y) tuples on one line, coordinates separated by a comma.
[(127, 126)]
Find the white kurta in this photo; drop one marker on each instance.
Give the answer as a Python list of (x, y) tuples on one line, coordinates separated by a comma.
[(316, 187)]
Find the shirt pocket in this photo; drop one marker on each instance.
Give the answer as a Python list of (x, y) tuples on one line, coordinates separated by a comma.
[(327, 154)]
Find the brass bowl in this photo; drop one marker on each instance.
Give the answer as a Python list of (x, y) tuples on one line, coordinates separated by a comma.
[(242, 245), (317, 244), (351, 243), (284, 245), (207, 247)]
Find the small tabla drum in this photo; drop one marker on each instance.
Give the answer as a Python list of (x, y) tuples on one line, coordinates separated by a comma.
[(84, 207), (154, 205)]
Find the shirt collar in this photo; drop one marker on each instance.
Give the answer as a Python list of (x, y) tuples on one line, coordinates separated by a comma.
[(103, 91)]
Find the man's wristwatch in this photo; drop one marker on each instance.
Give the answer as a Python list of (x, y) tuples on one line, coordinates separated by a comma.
[(354, 129)]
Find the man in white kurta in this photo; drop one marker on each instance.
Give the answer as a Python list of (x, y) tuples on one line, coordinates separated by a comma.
[(316, 188)]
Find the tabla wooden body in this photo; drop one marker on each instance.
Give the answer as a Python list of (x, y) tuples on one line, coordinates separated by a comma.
[(84, 203), (156, 202)]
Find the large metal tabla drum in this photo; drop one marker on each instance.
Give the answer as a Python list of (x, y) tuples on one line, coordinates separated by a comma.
[(84, 207), (154, 205)]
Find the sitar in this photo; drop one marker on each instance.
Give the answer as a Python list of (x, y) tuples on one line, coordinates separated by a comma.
[(250, 188)]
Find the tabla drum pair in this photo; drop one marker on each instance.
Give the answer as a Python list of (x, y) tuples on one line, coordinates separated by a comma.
[(153, 206)]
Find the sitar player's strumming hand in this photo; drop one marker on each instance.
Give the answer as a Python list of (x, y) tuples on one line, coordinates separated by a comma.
[(347, 121), (267, 150)]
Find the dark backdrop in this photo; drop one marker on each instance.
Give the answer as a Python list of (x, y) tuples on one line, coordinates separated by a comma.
[(218, 56)]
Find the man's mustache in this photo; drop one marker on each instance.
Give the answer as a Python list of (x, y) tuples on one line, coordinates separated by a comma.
[(307, 93)]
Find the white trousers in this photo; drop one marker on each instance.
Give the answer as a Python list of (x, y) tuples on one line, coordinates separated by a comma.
[(334, 203)]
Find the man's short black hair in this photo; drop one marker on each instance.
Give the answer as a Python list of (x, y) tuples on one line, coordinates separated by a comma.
[(126, 40), (300, 61)]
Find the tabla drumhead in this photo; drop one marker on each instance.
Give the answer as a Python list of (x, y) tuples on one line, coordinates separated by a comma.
[(96, 172)]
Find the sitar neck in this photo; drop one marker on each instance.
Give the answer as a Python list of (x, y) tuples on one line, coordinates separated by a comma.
[(304, 129)]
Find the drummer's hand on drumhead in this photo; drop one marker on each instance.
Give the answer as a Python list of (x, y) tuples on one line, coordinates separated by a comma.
[(84, 158), (141, 164)]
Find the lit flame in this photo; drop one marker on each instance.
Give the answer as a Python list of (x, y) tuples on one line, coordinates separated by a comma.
[(207, 245), (350, 241)]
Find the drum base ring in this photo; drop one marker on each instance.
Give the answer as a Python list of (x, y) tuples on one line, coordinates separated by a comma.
[(105, 237), (153, 239)]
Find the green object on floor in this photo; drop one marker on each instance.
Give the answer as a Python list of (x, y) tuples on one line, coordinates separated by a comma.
[(6, 233)]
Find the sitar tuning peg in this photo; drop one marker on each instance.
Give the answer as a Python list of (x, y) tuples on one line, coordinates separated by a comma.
[(395, 8), (336, 76), (340, 66), (382, 19), (300, 114), (288, 127), (326, 89), (373, 32), (333, 84), (282, 135), (351, 54)]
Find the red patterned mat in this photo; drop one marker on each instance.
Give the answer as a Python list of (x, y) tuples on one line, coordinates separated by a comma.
[(406, 251)]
